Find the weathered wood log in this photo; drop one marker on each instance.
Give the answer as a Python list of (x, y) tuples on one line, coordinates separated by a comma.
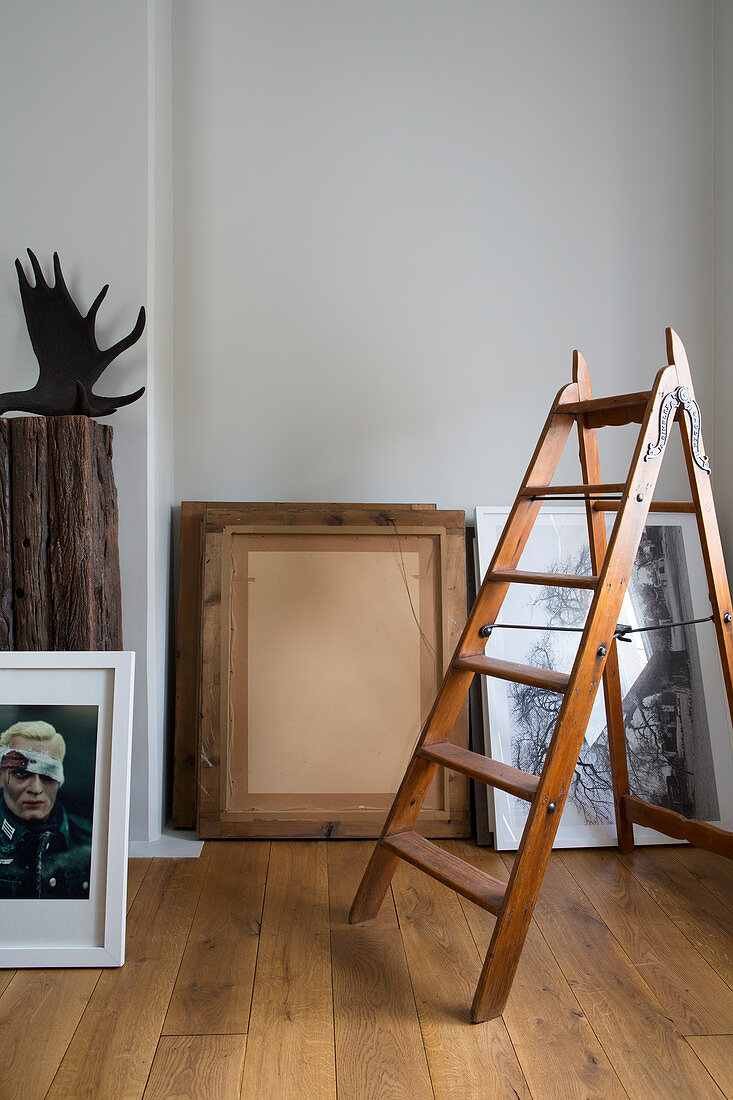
[(29, 532), (108, 600), (60, 588), (6, 556)]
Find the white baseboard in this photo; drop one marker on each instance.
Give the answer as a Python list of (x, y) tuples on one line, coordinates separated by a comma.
[(171, 844)]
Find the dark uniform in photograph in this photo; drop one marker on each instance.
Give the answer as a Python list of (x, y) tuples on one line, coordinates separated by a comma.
[(45, 852)]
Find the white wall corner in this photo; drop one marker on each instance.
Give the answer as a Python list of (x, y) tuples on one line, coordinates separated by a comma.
[(160, 402), (722, 50)]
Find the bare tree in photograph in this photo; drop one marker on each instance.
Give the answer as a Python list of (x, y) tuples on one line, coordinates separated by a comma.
[(534, 713), (566, 606), (661, 708)]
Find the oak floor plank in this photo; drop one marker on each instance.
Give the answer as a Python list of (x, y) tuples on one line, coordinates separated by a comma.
[(213, 991), (557, 1048), (699, 914), (39, 1013), (379, 1048), (690, 991), (113, 1047), (290, 1045), (716, 1054), (465, 1060), (136, 872), (46, 1003), (397, 984), (713, 871), (652, 1059), (197, 1067)]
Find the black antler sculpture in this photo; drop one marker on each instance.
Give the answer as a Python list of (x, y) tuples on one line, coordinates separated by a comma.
[(65, 346)]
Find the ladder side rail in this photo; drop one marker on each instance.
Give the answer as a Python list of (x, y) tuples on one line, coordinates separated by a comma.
[(546, 810), (439, 723), (707, 523), (699, 833), (590, 465), (409, 798), (519, 523)]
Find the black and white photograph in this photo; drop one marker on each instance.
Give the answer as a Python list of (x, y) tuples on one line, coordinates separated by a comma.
[(676, 723), (47, 768)]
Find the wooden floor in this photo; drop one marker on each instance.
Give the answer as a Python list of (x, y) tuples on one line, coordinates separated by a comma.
[(243, 978)]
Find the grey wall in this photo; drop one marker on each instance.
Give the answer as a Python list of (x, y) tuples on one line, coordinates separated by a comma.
[(391, 223), (74, 139), (723, 271), (394, 221)]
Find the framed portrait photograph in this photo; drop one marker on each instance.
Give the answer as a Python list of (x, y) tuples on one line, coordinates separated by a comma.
[(65, 735), (677, 722)]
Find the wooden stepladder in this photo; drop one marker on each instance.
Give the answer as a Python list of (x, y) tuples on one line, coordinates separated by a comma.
[(671, 399)]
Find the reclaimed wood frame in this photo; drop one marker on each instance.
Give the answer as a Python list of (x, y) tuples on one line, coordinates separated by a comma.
[(188, 631), (447, 530)]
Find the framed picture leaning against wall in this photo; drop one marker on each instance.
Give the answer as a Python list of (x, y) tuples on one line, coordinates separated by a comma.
[(677, 722), (65, 733)]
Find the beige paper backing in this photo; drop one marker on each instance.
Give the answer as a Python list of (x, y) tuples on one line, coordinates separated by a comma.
[(332, 647)]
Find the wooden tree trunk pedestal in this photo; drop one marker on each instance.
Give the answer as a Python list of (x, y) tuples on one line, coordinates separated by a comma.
[(59, 556)]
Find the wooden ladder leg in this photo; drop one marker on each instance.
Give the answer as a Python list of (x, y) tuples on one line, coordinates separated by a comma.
[(681, 403), (598, 542), (530, 864), (707, 523), (514, 917), (513, 920), (418, 777), (410, 796)]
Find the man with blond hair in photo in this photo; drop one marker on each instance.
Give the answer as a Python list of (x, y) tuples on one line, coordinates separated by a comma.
[(45, 852)]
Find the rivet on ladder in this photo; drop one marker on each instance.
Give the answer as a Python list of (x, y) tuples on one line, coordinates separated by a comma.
[(550, 807), (728, 618), (485, 632), (602, 651), (640, 497)]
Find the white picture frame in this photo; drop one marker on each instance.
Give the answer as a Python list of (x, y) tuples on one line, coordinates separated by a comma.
[(86, 927), (671, 680)]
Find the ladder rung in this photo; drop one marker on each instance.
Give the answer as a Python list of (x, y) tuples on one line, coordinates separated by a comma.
[(483, 768), (473, 884), (562, 580), (521, 674), (624, 408), (570, 490), (655, 506)]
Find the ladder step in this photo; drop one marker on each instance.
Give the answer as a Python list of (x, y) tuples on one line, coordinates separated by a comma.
[(624, 408), (655, 506), (570, 490), (562, 580), (483, 768), (460, 876), (522, 674)]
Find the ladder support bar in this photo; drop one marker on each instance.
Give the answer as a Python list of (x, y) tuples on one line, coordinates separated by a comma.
[(581, 491), (678, 827)]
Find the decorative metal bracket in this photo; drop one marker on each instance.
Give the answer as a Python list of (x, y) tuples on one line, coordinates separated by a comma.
[(670, 404)]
